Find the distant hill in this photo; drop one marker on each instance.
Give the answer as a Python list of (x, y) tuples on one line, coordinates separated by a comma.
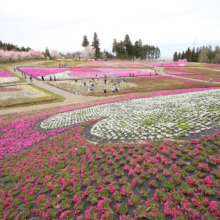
[(8, 47)]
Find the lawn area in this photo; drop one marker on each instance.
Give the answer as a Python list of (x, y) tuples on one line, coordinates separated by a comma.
[(49, 169)]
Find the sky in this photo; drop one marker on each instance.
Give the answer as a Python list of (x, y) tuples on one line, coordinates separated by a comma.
[(172, 25)]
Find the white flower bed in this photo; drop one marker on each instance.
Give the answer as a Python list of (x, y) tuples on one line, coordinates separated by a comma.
[(26, 92), (63, 75), (9, 79), (147, 118)]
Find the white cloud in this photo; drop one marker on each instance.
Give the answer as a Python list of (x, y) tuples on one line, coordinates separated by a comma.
[(61, 25)]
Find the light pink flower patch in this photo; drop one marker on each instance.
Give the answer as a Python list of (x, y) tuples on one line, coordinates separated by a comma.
[(42, 71), (101, 72), (174, 64), (84, 70), (4, 73)]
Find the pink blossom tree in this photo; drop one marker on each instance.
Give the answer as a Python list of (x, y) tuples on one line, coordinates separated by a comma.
[(16, 55), (55, 54), (89, 52)]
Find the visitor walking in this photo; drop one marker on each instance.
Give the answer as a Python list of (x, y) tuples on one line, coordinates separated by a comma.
[(31, 80), (112, 80), (97, 78), (42, 78), (25, 76), (50, 78), (54, 77), (105, 81)]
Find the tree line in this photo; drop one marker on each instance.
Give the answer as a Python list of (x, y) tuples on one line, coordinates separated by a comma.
[(123, 49), (202, 54), (127, 50), (9, 47)]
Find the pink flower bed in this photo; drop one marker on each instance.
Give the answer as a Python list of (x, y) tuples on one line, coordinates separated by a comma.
[(179, 73), (4, 73), (42, 71), (20, 134), (174, 64), (101, 72), (85, 72)]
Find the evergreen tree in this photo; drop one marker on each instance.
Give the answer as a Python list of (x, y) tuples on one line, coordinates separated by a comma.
[(96, 45), (197, 54), (217, 54), (114, 45), (138, 49), (157, 51), (193, 55), (128, 45), (120, 50), (47, 53), (211, 55), (175, 56), (85, 41), (183, 55), (188, 54), (179, 56)]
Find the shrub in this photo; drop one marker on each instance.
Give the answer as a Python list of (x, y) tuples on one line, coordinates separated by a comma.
[(117, 196), (168, 186), (65, 204), (144, 193), (53, 212), (121, 208)]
